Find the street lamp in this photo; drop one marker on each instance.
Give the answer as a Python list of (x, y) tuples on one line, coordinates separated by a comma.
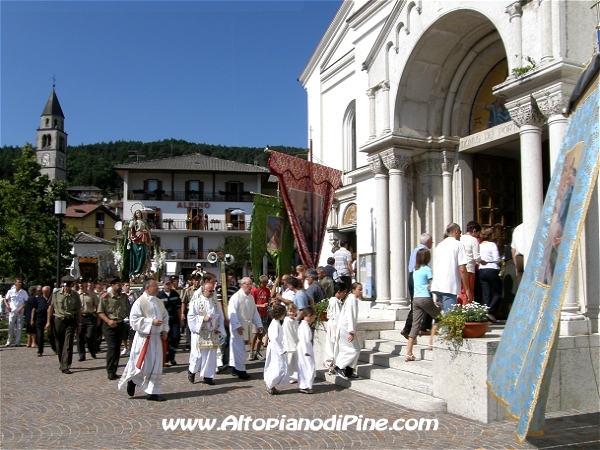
[(60, 209)]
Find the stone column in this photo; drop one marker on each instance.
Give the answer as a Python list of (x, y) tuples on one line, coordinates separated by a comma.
[(546, 25), (385, 92), (551, 104), (372, 130), (526, 114), (382, 233), (447, 188), (515, 11), (397, 162)]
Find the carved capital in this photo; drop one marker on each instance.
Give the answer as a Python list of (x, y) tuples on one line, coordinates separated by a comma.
[(384, 85), (551, 103), (526, 112), (446, 162), (371, 93), (429, 166), (376, 165), (513, 10), (395, 161)]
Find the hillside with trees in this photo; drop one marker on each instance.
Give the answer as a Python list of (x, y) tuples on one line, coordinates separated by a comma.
[(92, 164)]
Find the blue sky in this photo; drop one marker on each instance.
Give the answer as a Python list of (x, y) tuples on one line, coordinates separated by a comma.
[(218, 72)]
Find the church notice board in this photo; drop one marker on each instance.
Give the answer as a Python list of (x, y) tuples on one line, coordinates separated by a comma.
[(520, 373), (366, 275)]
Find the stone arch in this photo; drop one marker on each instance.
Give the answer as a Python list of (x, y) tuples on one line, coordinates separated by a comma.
[(349, 137), (443, 73)]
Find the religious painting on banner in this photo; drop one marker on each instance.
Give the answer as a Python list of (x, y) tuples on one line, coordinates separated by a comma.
[(307, 190), (270, 233), (521, 371)]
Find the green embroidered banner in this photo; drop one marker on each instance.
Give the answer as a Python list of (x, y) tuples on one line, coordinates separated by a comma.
[(270, 233)]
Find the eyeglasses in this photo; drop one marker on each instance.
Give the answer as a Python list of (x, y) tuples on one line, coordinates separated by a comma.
[(210, 291)]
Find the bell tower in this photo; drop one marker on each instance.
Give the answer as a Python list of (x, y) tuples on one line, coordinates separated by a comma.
[(51, 140)]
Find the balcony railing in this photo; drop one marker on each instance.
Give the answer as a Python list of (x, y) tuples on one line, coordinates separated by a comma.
[(190, 196), (234, 225), (179, 253)]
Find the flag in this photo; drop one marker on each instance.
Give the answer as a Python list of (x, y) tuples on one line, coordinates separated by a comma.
[(307, 190), (270, 233), (521, 371)]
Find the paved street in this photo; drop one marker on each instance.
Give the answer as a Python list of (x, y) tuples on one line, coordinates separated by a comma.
[(43, 408)]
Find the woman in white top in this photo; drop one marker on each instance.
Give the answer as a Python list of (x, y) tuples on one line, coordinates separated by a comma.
[(489, 274)]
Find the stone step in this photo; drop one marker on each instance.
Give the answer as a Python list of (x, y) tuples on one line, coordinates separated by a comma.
[(374, 325), (394, 377), (400, 396), (424, 367), (398, 348)]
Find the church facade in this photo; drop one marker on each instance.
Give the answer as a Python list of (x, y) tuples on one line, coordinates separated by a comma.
[(448, 111)]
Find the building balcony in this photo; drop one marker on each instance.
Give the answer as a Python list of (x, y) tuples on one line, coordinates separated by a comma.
[(186, 224), (191, 196)]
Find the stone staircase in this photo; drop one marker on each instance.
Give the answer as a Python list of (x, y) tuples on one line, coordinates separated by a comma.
[(384, 372)]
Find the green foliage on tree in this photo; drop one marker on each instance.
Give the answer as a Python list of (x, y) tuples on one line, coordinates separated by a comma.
[(29, 226), (239, 248)]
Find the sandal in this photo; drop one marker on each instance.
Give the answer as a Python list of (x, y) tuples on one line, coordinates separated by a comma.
[(430, 348), (411, 358)]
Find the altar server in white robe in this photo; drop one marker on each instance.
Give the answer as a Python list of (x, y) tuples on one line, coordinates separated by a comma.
[(242, 314), (333, 316), (347, 349), (306, 355), (290, 341), (150, 319), (206, 322), (276, 370)]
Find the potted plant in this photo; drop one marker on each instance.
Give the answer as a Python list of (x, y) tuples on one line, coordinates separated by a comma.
[(320, 312), (464, 321)]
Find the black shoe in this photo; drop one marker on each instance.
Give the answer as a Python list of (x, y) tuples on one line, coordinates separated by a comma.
[(340, 373), (93, 355), (191, 377), (234, 372), (353, 376), (67, 372), (130, 388), (222, 369), (244, 375), (209, 381), (81, 358), (173, 362), (155, 398), (113, 376)]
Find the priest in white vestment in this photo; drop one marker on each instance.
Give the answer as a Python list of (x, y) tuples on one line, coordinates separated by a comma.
[(150, 320), (206, 322), (242, 314), (347, 349)]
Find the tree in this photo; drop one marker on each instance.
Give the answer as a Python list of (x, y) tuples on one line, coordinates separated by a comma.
[(239, 248), (29, 226)]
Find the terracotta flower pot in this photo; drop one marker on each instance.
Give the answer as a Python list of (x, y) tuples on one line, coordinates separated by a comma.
[(475, 329)]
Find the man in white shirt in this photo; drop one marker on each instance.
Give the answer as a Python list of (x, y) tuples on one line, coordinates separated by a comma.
[(449, 268), (343, 264), (15, 306), (470, 241), (242, 314)]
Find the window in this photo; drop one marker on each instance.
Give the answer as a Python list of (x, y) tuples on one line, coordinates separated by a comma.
[(234, 191), (349, 130), (194, 190), (99, 219)]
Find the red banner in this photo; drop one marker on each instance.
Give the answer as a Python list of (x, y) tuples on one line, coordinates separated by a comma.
[(307, 189)]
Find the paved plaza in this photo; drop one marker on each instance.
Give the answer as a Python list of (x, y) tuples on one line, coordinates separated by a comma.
[(43, 408)]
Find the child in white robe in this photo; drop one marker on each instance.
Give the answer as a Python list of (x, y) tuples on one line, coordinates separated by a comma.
[(290, 341), (347, 349), (306, 356), (276, 370), (333, 314)]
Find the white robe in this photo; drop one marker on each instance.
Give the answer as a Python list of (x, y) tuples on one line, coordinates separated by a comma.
[(306, 364), (290, 342), (242, 313), (333, 316), (276, 370), (149, 376), (204, 342), (346, 353)]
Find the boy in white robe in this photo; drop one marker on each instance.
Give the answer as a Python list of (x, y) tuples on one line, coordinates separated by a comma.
[(150, 319), (276, 369), (290, 341), (306, 356), (347, 349), (242, 314), (333, 314), (206, 322)]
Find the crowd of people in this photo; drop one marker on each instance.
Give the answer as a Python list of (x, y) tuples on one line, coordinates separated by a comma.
[(224, 327)]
